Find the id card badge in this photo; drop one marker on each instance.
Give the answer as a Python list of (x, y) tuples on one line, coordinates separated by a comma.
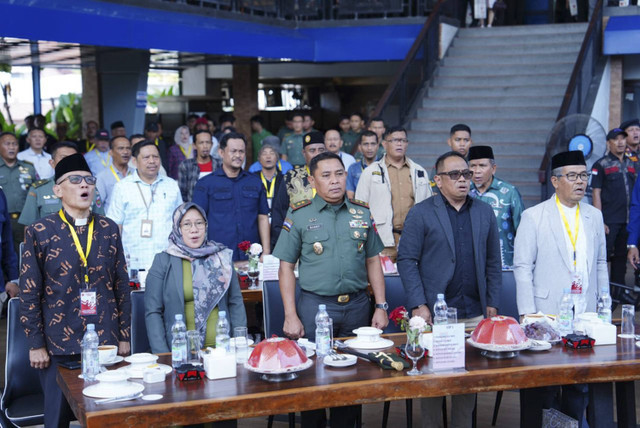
[(146, 228), (88, 302), (576, 283)]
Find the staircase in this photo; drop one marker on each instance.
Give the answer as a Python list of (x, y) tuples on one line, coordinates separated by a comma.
[(507, 84)]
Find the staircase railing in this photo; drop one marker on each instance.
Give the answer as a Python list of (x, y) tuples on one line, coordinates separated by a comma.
[(574, 97), (417, 67)]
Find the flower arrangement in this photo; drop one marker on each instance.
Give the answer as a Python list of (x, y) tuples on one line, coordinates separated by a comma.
[(253, 251), (414, 326)]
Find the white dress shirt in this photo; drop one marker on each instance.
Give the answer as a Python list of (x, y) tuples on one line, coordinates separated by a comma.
[(39, 161)]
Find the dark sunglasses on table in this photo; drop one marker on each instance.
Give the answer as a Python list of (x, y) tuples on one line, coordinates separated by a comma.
[(77, 179), (455, 175), (573, 176)]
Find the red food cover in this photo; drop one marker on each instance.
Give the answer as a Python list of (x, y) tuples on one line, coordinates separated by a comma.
[(499, 330), (277, 353)]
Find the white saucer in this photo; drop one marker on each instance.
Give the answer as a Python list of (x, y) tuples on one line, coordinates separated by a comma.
[(152, 397), (99, 391), (378, 344), (310, 352), (138, 374), (116, 360), (232, 341), (540, 345), (349, 361)]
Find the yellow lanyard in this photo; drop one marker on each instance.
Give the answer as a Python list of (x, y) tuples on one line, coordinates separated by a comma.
[(279, 166), (113, 171), (156, 142), (269, 189), (184, 152), (89, 147), (76, 241), (105, 164), (573, 237), (309, 175)]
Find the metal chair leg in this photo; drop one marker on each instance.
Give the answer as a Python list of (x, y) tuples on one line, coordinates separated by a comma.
[(496, 408), (409, 413), (292, 420), (385, 413), (270, 421), (444, 412)]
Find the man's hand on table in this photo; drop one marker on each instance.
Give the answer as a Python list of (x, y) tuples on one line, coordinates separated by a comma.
[(422, 311), (293, 327), (39, 358), (634, 257), (124, 348), (491, 311), (380, 319)]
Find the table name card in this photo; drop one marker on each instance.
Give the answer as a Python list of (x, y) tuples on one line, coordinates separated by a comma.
[(448, 347), (270, 265)]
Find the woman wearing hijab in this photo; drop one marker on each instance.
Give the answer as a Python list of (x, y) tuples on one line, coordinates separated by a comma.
[(193, 277), (181, 150)]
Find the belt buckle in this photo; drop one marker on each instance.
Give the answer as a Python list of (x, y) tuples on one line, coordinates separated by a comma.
[(15, 215), (343, 298)]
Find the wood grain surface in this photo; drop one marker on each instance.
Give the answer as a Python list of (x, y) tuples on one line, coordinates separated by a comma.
[(321, 386)]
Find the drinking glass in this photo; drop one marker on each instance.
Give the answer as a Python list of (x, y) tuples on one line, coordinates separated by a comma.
[(253, 271), (193, 347), (452, 316), (414, 350), (628, 329), (242, 344)]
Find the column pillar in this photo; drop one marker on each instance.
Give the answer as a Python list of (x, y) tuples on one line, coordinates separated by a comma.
[(615, 94), (90, 88), (245, 101)]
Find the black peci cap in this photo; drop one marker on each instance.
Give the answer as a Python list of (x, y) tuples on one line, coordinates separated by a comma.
[(74, 162), (573, 157), (480, 152), (314, 137)]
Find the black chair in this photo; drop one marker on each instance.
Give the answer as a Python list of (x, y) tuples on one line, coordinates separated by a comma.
[(22, 399), (139, 338), (273, 309), (509, 307)]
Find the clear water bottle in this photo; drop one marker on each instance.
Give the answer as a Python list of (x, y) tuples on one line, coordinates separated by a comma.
[(222, 332), (604, 305), (440, 310), (90, 357), (565, 314), (178, 342), (323, 334)]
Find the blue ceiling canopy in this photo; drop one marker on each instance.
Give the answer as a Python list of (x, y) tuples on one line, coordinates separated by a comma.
[(91, 22), (622, 35)]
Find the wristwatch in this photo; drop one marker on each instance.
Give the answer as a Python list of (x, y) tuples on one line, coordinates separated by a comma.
[(419, 306), (630, 246), (384, 306)]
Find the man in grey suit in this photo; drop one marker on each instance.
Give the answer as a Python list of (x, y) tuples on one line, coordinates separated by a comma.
[(450, 245), (560, 244)]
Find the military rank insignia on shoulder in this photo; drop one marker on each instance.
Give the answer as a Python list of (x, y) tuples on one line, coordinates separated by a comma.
[(300, 204), (359, 202), (39, 183)]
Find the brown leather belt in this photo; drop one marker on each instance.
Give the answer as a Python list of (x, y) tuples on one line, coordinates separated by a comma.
[(340, 298)]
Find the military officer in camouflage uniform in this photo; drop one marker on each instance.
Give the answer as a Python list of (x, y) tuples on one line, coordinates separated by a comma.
[(292, 144), (41, 201), (16, 177), (335, 240), (503, 197), (296, 182)]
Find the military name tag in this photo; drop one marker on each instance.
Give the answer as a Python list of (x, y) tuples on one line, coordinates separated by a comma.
[(146, 228), (359, 224), (314, 227)]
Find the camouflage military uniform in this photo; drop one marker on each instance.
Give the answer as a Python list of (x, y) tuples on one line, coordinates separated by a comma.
[(15, 182)]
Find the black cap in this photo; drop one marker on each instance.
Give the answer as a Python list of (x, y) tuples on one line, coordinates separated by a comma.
[(614, 133), (314, 137), (628, 123), (117, 124), (480, 152), (152, 127), (74, 162), (573, 157), (102, 134)]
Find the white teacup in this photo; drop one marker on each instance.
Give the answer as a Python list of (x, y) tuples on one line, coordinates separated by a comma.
[(107, 353), (368, 334)]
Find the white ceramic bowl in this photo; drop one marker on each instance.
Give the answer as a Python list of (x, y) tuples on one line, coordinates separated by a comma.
[(112, 379), (368, 334), (142, 359), (107, 353)]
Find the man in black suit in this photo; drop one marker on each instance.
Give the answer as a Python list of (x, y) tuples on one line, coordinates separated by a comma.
[(450, 245)]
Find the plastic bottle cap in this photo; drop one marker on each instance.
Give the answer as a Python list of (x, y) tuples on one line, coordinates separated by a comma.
[(605, 290), (178, 317), (322, 307), (91, 327), (222, 314), (440, 296)]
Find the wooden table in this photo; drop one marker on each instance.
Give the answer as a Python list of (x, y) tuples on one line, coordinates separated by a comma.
[(252, 295), (321, 386)]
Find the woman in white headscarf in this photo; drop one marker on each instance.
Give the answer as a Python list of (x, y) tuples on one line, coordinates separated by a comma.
[(181, 150)]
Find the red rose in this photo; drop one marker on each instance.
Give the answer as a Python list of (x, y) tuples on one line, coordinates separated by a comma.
[(398, 314), (244, 246)]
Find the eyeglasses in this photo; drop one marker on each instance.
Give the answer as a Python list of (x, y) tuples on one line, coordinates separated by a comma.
[(399, 140), (573, 176), (77, 179), (188, 225), (455, 175)]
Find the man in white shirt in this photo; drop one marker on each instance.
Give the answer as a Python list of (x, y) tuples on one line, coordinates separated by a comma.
[(121, 154), (36, 154), (99, 159), (142, 204), (333, 142)]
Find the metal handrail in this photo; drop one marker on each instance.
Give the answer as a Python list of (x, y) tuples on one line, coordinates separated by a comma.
[(591, 44), (429, 37)]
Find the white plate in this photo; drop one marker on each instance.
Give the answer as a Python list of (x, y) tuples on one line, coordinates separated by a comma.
[(137, 374), (116, 360), (310, 352), (540, 345), (378, 344), (141, 358), (99, 391), (501, 348), (349, 361), (301, 367)]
